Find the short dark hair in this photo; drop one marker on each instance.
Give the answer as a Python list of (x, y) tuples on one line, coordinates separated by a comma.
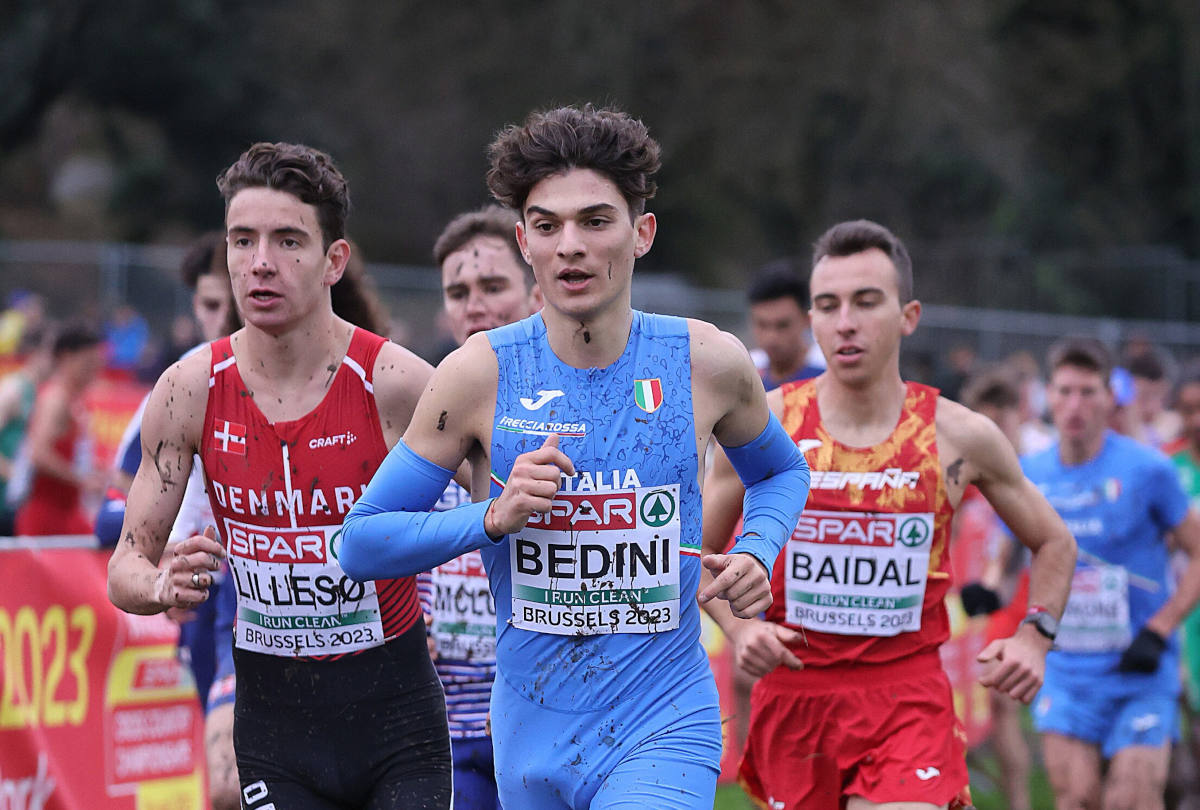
[(206, 256), (35, 338), (550, 142), (490, 220), (306, 173), (857, 236), (1081, 352), (1148, 366), (992, 387), (73, 338), (778, 279)]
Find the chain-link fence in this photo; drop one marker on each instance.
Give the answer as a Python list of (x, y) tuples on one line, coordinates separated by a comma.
[(86, 280)]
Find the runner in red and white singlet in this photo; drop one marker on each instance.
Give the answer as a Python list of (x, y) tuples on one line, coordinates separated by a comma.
[(337, 703), (853, 709), (279, 493)]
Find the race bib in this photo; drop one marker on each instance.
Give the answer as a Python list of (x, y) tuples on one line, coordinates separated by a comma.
[(1096, 618), (293, 597), (598, 563), (858, 573), (464, 615)]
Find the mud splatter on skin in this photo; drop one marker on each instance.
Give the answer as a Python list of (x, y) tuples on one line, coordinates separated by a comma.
[(164, 470), (953, 470), (332, 369), (441, 425)]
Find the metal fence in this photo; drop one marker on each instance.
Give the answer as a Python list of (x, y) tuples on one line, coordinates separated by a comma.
[(87, 279)]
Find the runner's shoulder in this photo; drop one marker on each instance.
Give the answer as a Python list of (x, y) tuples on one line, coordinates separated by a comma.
[(466, 379), (179, 400), (711, 344), (720, 361), (400, 377), (970, 435)]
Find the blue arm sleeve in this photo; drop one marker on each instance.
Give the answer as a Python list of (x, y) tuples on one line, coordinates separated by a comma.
[(776, 478), (389, 532), (109, 520)]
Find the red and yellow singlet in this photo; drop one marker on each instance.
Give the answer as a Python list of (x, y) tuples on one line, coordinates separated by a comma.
[(867, 568)]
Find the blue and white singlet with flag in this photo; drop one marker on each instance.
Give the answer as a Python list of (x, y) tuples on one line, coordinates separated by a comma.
[(1119, 506), (596, 600)]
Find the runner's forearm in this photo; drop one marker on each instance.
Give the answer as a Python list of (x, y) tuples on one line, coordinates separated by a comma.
[(132, 583), (1187, 593), (1050, 573), (776, 477), (389, 532)]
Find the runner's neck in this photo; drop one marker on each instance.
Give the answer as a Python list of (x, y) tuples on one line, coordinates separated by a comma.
[(594, 343), (861, 417), (293, 367)]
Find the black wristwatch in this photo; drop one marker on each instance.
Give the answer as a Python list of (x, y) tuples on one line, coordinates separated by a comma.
[(1043, 622)]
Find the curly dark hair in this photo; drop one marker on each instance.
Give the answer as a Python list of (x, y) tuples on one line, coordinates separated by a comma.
[(306, 173), (605, 140)]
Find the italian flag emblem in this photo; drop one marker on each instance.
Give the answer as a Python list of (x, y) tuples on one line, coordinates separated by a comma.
[(648, 394)]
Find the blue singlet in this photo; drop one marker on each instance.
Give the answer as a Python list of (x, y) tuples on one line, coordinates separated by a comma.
[(1119, 506), (605, 697)]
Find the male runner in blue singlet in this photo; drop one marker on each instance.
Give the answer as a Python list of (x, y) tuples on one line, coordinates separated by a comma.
[(1112, 681), (593, 442)]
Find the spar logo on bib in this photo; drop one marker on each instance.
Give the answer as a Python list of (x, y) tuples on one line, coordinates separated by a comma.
[(648, 394), (913, 532), (657, 508)]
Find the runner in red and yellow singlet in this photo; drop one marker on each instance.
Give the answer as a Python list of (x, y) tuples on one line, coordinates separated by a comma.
[(853, 709)]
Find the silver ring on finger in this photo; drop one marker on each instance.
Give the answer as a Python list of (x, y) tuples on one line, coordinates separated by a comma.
[(196, 579)]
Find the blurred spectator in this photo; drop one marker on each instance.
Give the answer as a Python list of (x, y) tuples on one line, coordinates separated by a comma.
[(1036, 433), (18, 390), (959, 365), (1152, 422), (128, 335), (23, 314), (778, 300), (59, 450), (995, 393), (1121, 419), (184, 335)]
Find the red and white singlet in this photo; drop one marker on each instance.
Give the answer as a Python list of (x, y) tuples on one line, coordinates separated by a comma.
[(279, 493)]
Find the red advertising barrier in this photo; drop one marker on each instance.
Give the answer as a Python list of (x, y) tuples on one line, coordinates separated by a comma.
[(96, 710), (111, 402)]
